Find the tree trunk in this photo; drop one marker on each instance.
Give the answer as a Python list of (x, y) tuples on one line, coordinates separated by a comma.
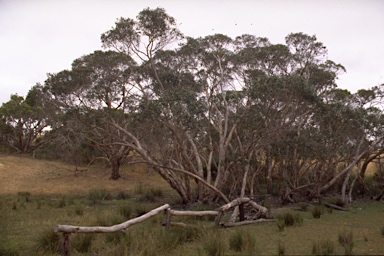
[(115, 174)]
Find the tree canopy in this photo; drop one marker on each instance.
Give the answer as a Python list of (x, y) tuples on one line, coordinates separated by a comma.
[(229, 117)]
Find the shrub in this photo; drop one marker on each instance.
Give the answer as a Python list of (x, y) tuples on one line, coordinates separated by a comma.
[(323, 247), (48, 241), (346, 240)]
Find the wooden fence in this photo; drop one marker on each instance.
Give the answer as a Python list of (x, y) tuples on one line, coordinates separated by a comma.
[(238, 204)]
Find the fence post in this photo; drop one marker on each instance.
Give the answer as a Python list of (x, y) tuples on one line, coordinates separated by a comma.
[(168, 218), (218, 217), (241, 210), (66, 246)]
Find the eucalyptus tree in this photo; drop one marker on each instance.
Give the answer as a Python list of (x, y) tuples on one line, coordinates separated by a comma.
[(23, 122), (95, 91)]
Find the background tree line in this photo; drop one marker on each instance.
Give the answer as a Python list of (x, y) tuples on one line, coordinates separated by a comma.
[(216, 117)]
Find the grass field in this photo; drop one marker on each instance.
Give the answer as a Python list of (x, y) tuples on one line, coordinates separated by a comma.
[(36, 195)]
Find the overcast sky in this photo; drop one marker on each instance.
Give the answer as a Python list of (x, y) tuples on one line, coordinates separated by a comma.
[(44, 36)]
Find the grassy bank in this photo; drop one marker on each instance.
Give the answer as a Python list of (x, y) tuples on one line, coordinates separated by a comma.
[(42, 194)]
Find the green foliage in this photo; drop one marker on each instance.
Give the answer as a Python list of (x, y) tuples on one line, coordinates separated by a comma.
[(323, 247)]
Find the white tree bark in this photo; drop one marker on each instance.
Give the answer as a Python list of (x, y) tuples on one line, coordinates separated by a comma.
[(119, 227)]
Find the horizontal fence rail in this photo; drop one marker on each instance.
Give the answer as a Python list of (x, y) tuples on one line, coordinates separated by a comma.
[(238, 204)]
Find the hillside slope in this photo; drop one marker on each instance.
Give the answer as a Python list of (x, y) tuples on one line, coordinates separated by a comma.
[(21, 173)]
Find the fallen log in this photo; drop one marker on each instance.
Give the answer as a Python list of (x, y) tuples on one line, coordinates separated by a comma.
[(246, 222), (119, 227), (336, 207), (234, 203), (193, 213), (262, 211)]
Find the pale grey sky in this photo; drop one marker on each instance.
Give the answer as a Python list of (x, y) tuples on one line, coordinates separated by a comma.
[(45, 36)]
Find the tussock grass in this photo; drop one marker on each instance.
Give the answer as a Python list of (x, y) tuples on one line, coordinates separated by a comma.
[(48, 241), (317, 211), (242, 241), (213, 243), (35, 217), (346, 240), (281, 248), (323, 247)]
